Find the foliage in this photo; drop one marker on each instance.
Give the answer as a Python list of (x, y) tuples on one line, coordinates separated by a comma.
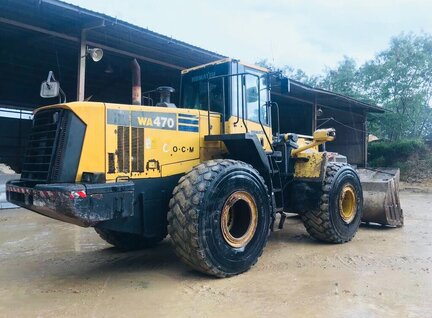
[(388, 153), (416, 168), (290, 72), (398, 78), (345, 79), (413, 157)]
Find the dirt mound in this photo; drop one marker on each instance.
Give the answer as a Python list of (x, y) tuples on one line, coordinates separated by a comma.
[(417, 169), (6, 169)]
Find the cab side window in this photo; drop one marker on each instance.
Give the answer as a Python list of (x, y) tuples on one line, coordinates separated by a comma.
[(256, 98), (252, 102)]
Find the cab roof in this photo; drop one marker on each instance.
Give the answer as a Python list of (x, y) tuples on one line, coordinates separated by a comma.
[(226, 60)]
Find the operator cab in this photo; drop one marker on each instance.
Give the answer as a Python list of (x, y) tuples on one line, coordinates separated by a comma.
[(237, 91)]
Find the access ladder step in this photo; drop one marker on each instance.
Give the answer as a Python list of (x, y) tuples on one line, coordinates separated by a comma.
[(282, 220)]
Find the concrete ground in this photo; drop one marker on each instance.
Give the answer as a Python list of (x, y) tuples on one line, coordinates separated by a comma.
[(4, 204), (52, 269)]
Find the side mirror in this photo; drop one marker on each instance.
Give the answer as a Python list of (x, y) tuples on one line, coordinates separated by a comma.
[(49, 89)]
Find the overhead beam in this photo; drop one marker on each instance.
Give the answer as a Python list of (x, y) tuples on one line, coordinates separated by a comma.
[(129, 26), (137, 56), (78, 40), (38, 29)]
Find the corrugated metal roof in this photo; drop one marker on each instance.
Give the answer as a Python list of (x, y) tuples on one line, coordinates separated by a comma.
[(329, 98), (82, 10), (62, 18), (67, 20), (311, 95)]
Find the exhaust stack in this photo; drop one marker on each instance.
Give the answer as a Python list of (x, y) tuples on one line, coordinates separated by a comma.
[(136, 82)]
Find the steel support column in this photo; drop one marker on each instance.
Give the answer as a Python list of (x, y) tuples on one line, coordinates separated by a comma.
[(81, 67)]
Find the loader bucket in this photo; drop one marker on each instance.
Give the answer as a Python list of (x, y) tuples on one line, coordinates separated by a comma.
[(381, 196)]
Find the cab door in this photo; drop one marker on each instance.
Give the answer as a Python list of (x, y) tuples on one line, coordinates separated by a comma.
[(249, 111)]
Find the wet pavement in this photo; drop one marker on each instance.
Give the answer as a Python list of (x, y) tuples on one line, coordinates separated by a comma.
[(53, 269), (4, 204)]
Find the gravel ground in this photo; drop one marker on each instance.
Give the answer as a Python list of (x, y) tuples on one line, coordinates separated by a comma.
[(53, 269)]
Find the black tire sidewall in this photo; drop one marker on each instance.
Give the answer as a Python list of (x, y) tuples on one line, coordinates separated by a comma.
[(127, 241), (346, 175), (228, 259)]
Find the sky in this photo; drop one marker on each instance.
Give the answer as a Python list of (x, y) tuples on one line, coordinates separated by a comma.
[(312, 35)]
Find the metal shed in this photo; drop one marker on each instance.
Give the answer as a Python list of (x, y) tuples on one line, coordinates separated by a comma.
[(309, 108), (42, 35)]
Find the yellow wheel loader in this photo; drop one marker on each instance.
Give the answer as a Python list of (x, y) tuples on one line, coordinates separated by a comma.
[(213, 173)]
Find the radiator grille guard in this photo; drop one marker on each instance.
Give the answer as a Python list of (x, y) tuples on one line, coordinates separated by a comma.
[(54, 147), (42, 143)]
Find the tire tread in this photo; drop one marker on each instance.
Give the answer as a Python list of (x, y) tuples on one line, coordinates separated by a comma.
[(317, 222), (183, 214)]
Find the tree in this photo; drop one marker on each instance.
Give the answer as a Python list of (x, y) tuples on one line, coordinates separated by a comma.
[(400, 79), (345, 79), (290, 72)]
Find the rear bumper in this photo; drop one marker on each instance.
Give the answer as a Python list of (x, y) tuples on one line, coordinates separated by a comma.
[(76, 203)]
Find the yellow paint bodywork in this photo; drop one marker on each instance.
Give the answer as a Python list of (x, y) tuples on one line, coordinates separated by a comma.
[(304, 141), (236, 126), (175, 151), (311, 166), (93, 116), (210, 149), (310, 162), (169, 152), (320, 137)]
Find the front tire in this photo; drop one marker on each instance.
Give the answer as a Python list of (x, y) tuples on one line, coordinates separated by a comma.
[(219, 218), (339, 214)]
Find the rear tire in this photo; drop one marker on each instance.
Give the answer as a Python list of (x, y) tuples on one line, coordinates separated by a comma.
[(339, 214), (127, 241), (219, 218)]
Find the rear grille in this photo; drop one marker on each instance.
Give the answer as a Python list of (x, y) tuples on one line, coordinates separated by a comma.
[(137, 149), (111, 162), (42, 143), (123, 148)]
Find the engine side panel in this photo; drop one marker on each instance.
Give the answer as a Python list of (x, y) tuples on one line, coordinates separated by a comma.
[(154, 142)]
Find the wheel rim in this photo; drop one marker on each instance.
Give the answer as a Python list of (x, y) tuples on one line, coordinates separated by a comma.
[(347, 204), (239, 219)]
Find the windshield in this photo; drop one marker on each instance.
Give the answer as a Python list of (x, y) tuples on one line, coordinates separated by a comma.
[(194, 88), (199, 90)]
